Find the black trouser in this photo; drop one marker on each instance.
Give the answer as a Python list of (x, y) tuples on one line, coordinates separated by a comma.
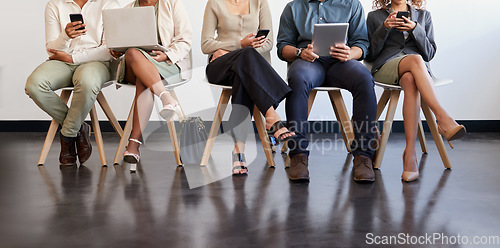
[(254, 82), (303, 76)]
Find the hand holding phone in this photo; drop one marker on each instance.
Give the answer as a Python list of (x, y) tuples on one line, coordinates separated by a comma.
[(73, 30), (403, 13), (262, 32)]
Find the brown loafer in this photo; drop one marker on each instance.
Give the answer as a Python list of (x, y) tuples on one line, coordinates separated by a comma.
[(298, 168), (83, 145), (68, 151), (363, 169)]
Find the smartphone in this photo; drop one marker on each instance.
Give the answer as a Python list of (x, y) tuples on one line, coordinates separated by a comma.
[(262, 32), (400, 14), (75, 18)]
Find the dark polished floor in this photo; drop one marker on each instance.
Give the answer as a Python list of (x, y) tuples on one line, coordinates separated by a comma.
[(167, 206)]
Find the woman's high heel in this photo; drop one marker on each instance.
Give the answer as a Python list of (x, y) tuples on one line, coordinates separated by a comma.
[(168, 111), (409, 176), (453, 133), (132, 158)]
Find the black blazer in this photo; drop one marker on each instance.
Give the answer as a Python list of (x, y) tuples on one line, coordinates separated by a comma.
[(386, 44)]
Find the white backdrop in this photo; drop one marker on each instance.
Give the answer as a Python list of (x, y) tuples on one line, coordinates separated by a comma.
[(467, 35)]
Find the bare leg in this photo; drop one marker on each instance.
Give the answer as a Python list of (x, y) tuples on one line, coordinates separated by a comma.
[(146, 72), (411, 112), (271, 118), (143, 107), (424, 83)]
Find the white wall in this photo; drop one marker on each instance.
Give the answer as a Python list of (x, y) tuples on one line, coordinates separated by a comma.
[(467, 35)]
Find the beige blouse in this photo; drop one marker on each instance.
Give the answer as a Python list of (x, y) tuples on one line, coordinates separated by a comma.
[(223, 30)]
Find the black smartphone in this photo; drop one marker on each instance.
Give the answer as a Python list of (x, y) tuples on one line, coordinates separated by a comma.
[(262, 32), (75, 18), (400, 14)]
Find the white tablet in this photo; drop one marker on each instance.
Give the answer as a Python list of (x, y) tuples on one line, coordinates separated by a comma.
[(326, 35)]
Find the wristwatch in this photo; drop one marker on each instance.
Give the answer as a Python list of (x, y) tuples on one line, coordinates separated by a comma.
[(298, 52)]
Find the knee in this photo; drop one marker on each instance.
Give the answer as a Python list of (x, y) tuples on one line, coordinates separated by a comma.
[(88, 85), (133, 55), (365, 82), (35, 85), (407, 81), (416, 60)]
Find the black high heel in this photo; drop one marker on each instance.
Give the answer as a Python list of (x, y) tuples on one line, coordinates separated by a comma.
[(277, 126), (239, 157)]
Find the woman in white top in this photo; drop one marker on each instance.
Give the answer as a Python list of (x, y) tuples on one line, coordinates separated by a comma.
[(241, 60), (147, 69)]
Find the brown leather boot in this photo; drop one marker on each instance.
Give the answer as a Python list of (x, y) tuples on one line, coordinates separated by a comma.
[(363, 169), (298, 168), (83, 145), (68, 151)]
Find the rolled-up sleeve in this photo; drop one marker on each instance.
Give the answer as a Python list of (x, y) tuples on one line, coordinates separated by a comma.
[(287, 33), (358, 35)]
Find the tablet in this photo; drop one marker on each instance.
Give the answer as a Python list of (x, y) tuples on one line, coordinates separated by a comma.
[(326, 35)]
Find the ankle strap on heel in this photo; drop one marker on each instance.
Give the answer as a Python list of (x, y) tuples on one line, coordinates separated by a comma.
[(136, 141), (163, 92)]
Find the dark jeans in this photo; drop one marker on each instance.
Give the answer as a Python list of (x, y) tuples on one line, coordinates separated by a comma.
[(303, 76), (254, 82)]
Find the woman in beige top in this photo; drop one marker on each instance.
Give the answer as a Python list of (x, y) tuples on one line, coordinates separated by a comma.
[(146, 69), (239, 59)]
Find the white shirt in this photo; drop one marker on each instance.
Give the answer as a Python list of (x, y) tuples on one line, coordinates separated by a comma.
[(85, 48)]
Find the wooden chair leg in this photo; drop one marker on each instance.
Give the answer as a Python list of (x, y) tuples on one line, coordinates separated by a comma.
[(431, 121), (391, 110), (343, 118), (126, 134), (382, 102), (98, 136), (264, 139), (109, 114), (175, 141), (219, 113), (49, 138), (421, 137)]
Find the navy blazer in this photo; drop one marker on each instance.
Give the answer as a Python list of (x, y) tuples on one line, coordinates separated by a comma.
[(386, 44)]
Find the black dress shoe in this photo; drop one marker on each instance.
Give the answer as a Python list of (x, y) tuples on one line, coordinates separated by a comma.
[(68, 151), (83, 145), (298, 168)]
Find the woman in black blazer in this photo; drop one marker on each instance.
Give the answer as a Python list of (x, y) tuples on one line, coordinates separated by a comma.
[(400, 49)]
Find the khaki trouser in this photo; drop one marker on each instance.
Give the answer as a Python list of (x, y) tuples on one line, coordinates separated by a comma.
[(87, 80)]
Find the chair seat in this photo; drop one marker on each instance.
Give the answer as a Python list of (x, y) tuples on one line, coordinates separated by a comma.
[(437, 82), (167, 86), (205, 81), (327, 88)]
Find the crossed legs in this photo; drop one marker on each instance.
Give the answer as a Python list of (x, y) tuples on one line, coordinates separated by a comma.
[(141, 72)]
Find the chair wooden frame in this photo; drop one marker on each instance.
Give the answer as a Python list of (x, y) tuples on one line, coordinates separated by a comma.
[(170, 124), (338, 105), (391, 95), (219, 113), (51, 133)]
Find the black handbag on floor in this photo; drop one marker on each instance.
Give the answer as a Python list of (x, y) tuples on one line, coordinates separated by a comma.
[(193, 138)]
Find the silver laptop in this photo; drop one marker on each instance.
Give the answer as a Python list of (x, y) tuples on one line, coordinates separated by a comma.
[(326, 35), (131, 27)]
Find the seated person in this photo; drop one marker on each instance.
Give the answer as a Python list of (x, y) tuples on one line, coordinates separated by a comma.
[(241, 60), (146, 71), (399, 50), (77, 58)]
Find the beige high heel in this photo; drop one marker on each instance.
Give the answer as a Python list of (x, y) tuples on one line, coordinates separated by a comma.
[(409, 176), (454, 133)]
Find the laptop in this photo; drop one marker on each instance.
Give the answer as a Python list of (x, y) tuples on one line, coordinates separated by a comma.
[(131, 27), (326, 35)]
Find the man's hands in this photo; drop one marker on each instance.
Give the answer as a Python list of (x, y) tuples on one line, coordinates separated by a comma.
[(60, 55), (308, 55), (341, 52), (71, 29), (251, 41), (402, 24)]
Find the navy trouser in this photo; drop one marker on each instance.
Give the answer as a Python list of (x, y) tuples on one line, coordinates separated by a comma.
[(254, 82), (303, 76)]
